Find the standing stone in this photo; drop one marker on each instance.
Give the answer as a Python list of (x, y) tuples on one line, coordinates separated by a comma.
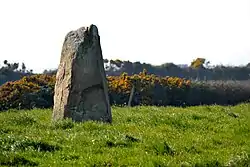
[(81, 90)]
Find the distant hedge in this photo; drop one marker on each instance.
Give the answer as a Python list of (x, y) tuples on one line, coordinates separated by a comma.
[(38, 91)]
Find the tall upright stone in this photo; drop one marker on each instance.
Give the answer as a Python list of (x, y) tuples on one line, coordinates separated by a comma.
[(81, 90)]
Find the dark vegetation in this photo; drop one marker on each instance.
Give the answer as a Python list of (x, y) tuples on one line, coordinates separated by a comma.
[(37, 91), (197, 69), (168, 84), (12, 72)]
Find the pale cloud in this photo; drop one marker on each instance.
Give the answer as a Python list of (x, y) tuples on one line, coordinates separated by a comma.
[(152, 31)]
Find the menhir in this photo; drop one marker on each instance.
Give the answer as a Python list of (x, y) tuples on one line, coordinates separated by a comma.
[(81, 90)]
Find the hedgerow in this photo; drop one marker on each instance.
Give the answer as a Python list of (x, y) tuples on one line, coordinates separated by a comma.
[(28, 92), (38, 91)]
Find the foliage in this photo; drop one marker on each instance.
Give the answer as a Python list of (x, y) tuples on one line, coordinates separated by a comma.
[(219, 92), (38, 91), (116, 67), (149, 89), (10, 72), (199, 66), (29, 92), (198, 63), (138, 136)]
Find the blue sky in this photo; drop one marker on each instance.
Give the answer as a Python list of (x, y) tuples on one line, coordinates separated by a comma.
[(151, 31)]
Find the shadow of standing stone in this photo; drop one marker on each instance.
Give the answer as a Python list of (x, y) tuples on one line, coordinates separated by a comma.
[(81, 90)]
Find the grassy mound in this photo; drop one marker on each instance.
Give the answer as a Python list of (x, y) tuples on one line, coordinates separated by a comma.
[(138, 136)]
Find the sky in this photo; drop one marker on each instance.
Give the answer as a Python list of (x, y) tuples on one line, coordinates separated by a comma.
[(150, 31)]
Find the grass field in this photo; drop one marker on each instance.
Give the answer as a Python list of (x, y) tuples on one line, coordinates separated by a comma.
[(138, 136)]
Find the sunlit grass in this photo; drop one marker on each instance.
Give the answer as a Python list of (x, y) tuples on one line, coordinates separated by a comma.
[(138, 136)]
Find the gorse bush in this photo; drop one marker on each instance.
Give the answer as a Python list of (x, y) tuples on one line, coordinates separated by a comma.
[(38, 91), (149, 89), (28, 92)]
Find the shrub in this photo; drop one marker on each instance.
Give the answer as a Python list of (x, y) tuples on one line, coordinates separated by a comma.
[(28, 92), (38, 91), (149, 89)]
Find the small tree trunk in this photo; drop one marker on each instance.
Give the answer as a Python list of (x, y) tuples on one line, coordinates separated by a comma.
[(131, 95)]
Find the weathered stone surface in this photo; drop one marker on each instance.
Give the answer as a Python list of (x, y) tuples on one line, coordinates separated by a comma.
[(81, 90)]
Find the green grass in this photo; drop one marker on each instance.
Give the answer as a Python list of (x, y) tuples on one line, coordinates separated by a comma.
[(139, 136)]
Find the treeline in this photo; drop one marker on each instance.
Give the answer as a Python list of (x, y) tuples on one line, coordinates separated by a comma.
[(199, 69), (13, 72)]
